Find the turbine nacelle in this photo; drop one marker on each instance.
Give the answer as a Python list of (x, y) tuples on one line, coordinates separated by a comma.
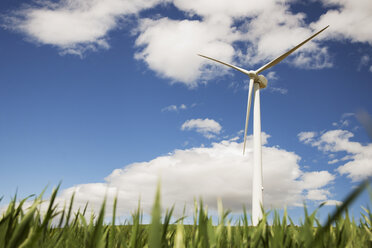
[(262, 81)]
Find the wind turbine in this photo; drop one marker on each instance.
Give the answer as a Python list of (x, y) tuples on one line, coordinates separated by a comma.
[(256, 83)]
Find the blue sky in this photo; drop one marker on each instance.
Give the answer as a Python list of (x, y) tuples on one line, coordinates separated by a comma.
[(109, 95)]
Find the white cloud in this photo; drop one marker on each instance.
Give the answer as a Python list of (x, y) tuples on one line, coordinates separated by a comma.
[(318, 194), (333, 161), (268, 30), (220, 8), (363, 61), (279, 90), (317, 179), (347, 20), (74, 26), (370, 68), (360, 165), (333, 203), (174, 108), (218, 171), (346, 115), (337, 140), (275, 30), (272, 76), (170, 47), (315, 58), (344, 121), (208, 127), (170, 108), (306, 137)]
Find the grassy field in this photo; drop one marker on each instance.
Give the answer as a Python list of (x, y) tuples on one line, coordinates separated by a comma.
[(53, 228)]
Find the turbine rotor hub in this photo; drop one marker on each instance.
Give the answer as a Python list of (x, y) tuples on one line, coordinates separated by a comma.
[(252, 75)]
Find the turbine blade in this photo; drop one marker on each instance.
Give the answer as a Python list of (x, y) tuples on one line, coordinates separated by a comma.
[(232, 66), (281, 57), (251, 82)]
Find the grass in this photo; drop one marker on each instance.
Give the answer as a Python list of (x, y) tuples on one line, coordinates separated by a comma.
[(32, 228), (64, 228)]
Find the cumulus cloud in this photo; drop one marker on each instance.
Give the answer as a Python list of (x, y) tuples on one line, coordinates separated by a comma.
[(317, 179), (169, 46), (74, 26), (268, 29), (218, 171), (246, 33), (208, 127), (359, 156), (318, 194), (275, 30), (235, 8), (347, 19)]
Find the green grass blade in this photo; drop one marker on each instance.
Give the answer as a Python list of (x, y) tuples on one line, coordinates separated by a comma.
[(338, 213), (155, 226)]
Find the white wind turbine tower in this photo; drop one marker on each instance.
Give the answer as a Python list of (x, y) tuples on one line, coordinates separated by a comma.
[(258, 82)]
